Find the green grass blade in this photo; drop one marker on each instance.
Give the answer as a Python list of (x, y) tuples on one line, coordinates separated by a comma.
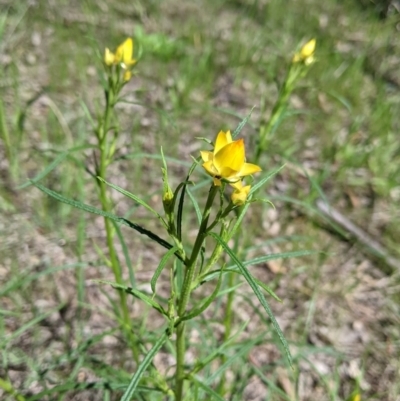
[(160, 268), (205, 304), (28, 325), (54, 164), (259, 184), (249, 278), (136, 293), (179, 215), (130, 391), (125, 251), (195, 205), (262, 259), (242, 124), (21, 280), (207, 389), (94, 210), (240, 352), (134, 198)]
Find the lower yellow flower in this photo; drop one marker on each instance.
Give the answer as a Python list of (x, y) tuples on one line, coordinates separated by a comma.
[(123, 55), (306, 53), (240, 193), (127, 75), (227, 161)]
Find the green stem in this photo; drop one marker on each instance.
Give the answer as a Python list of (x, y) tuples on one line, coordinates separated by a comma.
[(276, 114), (106, 205), (228, 321), (279, 107), (185, 294)]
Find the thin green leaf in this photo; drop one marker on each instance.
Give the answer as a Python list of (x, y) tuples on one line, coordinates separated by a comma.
[(203, 306), (243, 350), (312, 209), (259, 184), (195, 205), (267, 289), (249, 278), (87, 113), (160, 268), (242, 124), (239, 220), (91, 209), (125, 251), (270, 384), (28, 325), (207, 389), (262, 259), (136, 293), (219, 351), (179, 215), (130, 391), (25, 278), (54, 164), (134, 198)]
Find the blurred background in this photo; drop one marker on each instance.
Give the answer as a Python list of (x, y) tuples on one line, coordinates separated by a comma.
[(202, 67)]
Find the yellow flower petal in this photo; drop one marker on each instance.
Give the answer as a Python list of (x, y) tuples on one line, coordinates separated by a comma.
[(232, 156), (209, 167), (109, 57), (306, 53), (124, 51), (127, 75), (308, 49), (206, 156), (240, 194), (248, 169), (223, 138), (227, 161)]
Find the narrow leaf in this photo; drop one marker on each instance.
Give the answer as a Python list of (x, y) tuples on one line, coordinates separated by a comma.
[(136, 293), (239, 353), (160, 268), (202, 307), (207, 389), (242, 124), (94, 210), (130, 391), (134, 198), (125, 251), (195, 205), (259, 184), (54, 164), (249, 278), (180, 211)]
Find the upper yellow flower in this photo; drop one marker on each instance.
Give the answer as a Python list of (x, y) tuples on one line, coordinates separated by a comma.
[(240, 193), (228, 160), (123, 55), (306, 53)]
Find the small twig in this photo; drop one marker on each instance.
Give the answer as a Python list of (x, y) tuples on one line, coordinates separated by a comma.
[(361, 236)]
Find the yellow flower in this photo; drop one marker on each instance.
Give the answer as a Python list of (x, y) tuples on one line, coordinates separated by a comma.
[(306, 53), (240, 193), (127, 75), (123, 55), (109, 57), (228, 160)]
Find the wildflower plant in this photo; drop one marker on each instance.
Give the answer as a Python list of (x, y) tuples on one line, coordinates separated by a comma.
[(233, 183), (299, 66)]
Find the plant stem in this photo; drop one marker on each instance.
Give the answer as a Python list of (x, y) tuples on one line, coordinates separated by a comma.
[(228, 312), (106, 205), (185, 294)]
